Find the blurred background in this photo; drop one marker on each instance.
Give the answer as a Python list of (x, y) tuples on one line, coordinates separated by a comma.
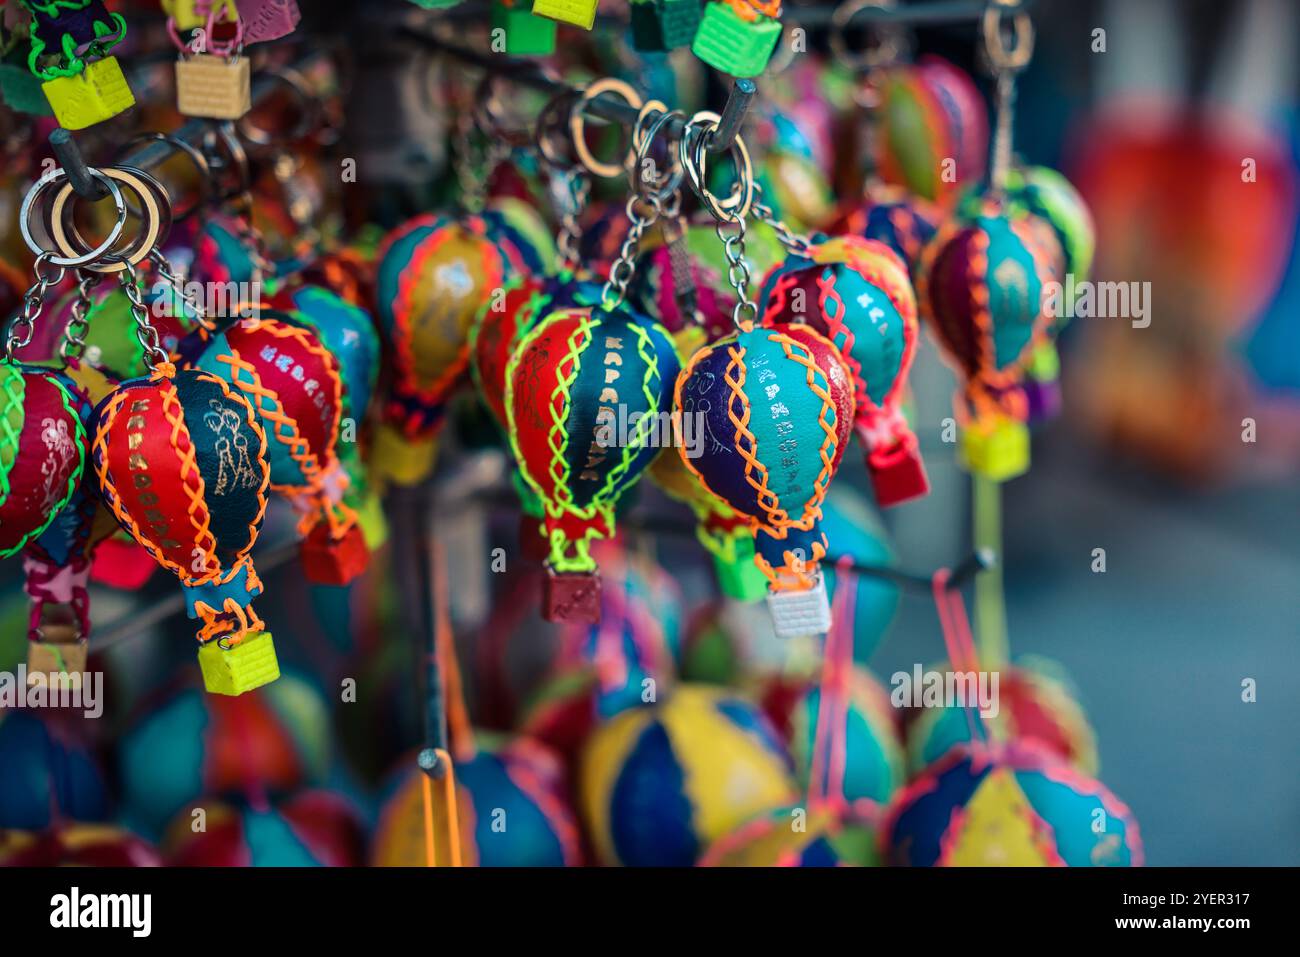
[(1146, 460)]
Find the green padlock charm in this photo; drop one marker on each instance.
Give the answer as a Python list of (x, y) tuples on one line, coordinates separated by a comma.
[(523, 32), (738, 36), (581, 13), (660, 25), (97, 93)]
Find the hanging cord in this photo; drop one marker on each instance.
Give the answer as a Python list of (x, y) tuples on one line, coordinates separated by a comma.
[(830, 745), (958, 643)]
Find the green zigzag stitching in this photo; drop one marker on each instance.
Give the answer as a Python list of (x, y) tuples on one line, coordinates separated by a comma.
[(80, 431), (15, 391)]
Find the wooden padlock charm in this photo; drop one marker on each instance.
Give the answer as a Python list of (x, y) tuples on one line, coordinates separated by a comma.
[(729, 42), (661, 25), (581, 13), (98, 93), (524, 32), (214, 88)]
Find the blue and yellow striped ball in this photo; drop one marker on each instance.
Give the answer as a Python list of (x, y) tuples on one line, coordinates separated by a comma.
[(1009, 806), (659, 784)]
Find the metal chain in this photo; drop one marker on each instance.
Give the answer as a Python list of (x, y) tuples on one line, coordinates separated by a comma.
[(577, 186), (797, 243), (145, 332), (74, 334), (733, 247), (624, 267), (168, 275), (23, 326)]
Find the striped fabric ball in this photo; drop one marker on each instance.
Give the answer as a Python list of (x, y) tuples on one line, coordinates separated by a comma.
[(310, 829), (659, 784), (1009, 806), (511, 804), (1033, 706), (76, 845), (46, 777)]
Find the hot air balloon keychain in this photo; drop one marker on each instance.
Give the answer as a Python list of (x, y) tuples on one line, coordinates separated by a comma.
[(435, 273), (982, 287), (505, 318), (775, 404), (181, 461), (588, 391)]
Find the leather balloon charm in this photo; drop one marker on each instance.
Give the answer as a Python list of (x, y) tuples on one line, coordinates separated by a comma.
[(856, 293), (588, 397), (501, 323), (182, 463), (776, 405), (294, 386), (348, 333), (435, 272), (43, 511), (982, 289)]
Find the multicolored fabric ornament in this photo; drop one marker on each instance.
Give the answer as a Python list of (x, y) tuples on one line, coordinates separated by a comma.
[(310, 829), (56, 564), (775, 404), (1034, 706), (659, 784), (76, 845), (799, 836), (434, 274), (270, 742), (982, 288), (48, 777), (348, 333), (512, 808), (1010, 806), (587, 400), (891, 215), (857, 294), (294, 383), (182, 463), (933, 134)]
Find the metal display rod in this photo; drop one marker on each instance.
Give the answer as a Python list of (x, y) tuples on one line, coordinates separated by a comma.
[(529, 73)]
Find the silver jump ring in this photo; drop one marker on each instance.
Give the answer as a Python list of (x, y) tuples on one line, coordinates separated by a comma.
[(95, 255)]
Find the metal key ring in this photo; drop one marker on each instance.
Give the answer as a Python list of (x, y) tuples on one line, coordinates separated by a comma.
[(578, 125), (154, 215), (548, 120), (643, 140), (195, 156), (94, 255), (692, 152)]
